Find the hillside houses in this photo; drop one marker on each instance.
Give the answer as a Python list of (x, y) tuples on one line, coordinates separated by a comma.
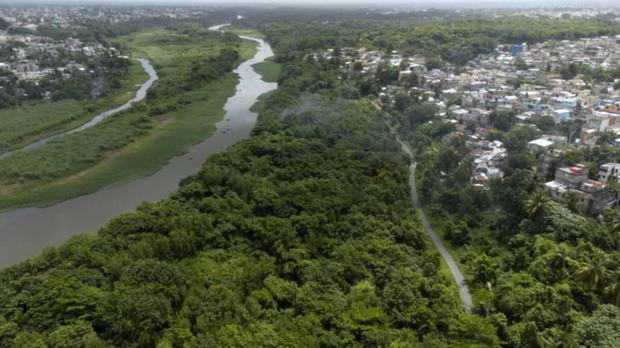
[(594, 196)]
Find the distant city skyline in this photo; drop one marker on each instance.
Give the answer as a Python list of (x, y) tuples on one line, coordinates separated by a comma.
[(355, 3)]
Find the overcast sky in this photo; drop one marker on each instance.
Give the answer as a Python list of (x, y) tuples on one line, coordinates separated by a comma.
[(584, 3)]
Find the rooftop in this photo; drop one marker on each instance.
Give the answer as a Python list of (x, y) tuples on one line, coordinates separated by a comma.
[(576, 170), (554, 185), (541, 142)]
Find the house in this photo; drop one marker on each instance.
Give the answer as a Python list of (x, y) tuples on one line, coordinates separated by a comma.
[(510, 99), (475, 115), (601, 120), (539, 144), (459, 114), (560, 114), (483, 172), (608, 172), (403, 73), (602, 197), (612, 108), (556, 189), (587, 135), (572, 177), (548, 161), (515, 49), (556, 139), (594, 196)]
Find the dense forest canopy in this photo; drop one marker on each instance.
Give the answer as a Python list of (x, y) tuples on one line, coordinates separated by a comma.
[(300, 236), (456, 41)]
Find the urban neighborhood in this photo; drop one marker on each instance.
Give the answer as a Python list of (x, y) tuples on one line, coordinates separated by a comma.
[(546, 85)]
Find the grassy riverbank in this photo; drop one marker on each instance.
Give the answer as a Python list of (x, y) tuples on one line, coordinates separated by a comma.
[(137, 142), (146, 155), (269, 70), (38, 119)]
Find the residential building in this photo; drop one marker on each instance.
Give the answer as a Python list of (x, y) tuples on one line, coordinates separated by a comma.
[(572, 177)]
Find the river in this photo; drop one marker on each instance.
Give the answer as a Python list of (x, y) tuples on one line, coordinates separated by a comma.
[(140, 94), (26, 232)]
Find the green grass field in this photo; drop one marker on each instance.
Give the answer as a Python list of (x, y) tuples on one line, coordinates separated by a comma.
[(269, 70), (140, 158), (34, 120), (167, 48), (140, 144)]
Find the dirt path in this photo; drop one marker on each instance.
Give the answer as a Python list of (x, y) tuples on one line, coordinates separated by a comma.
[(454, 269)]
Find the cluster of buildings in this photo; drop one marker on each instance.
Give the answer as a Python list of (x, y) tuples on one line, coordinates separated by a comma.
[(488, 156), (517, 78), (34, 57), (595, 9), (543, 94), (30, 57), (524, 80), (593, 196), (65, 16)]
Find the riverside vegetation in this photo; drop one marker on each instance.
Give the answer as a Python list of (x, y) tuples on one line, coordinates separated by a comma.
[(194, 66)]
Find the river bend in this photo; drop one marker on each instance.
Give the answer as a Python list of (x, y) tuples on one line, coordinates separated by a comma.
[(25, 232)]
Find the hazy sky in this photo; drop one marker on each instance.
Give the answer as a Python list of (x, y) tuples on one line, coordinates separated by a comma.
[(601, 4), (583, 3)]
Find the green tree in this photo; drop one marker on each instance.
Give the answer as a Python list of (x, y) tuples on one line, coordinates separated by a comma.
[(27, 339), (611, 291), (77, 335), (530, 337), (502, 120), (485, 269), (593, 273), (364, 311), (571, 199), (537, 206), (474, 331), (602, 329)]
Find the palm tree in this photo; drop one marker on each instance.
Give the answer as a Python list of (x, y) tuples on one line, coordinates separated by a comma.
[(551, 342), (560, 258), (613, 234), (537, 207), (553, 338), (594, 272), (612, 290), (572, 201)]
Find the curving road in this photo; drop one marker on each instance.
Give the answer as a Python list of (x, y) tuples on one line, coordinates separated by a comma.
[(454, 269)]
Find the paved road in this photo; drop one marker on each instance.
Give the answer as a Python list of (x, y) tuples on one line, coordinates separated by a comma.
[(454, 269)]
